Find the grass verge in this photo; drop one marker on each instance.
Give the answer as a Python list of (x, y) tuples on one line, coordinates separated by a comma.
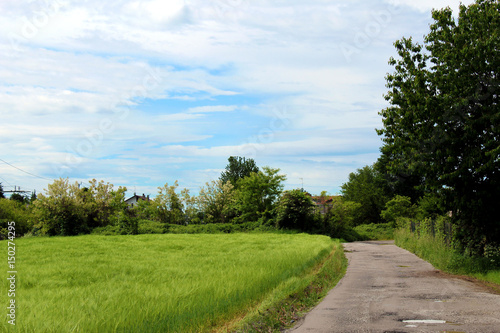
[(291, 300), (446, 259)]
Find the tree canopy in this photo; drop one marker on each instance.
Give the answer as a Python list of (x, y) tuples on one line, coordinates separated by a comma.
[(366, 186), (258, 193), (238, 168), (443, 122)]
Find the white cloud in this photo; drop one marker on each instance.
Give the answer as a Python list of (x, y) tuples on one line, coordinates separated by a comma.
[(168, 74), (179, 117), (212, 108), (427, 5)]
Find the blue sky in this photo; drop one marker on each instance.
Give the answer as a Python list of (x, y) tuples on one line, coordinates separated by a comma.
[(146, 92)]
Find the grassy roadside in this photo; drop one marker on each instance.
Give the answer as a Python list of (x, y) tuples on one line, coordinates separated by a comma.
[(375, 231), (290, 301), (442, 257)]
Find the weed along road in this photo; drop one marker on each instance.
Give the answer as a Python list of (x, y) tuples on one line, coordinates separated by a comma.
[(388, 289)]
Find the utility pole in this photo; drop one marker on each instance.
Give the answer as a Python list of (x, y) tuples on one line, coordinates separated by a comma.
[(16, 190)]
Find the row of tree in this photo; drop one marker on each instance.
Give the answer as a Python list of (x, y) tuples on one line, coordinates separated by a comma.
[(441, 132), (243, 193)]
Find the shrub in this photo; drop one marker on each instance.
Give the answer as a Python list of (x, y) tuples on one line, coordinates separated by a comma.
[(11, 210), (150, 227), (67, 209), (216, 228), (126, 223), (399, 206), (295, 211), (341, 216), (375, 231)]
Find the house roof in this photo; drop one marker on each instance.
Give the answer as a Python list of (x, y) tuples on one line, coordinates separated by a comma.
[(138, 197), (319, 200)]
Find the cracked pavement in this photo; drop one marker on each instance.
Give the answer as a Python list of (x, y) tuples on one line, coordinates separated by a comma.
[(388, 289)]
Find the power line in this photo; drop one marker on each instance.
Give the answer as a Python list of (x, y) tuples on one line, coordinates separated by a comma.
[(6, 181), (29, 173)]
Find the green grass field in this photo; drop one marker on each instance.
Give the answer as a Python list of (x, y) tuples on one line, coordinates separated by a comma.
[(152, 283)]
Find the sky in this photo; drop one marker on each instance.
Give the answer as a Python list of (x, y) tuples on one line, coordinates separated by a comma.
[(146, 92)]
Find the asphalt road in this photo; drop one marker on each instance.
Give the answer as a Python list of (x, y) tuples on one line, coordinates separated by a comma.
[(388, 289)]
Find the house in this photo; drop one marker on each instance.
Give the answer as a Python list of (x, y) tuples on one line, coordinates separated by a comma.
[(135, 199)]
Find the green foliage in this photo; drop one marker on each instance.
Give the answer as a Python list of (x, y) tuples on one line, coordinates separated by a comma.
[(217, 228), (443, 124), (238, 168), (67, 209), (2, 196), (168, 205), (286, 305), (12, 210), (492, 276), (433, 248), (217, 202), (375, 231), (19, 198), (145, 210), (341, 217), (126, 223), (258, 193), (367, 187), (399, 181), (33, 197), (150, 227), (430, 206), (398, 207), (295, 211), (192, 213), (154, 283)]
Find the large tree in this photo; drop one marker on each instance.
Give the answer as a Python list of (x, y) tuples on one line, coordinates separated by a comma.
[(258, 193), (367, 187), (443, 123), (238, 168)]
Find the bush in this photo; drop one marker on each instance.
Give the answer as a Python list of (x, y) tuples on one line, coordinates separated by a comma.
[(397, 207), (430, 206), (295, 211), (216, 228), (109, 230), (150, 227), (126, 222), (341, 217), (375, 231), (11, 210), (67, 209)]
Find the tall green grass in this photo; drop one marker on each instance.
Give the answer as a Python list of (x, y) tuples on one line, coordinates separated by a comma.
[(443, 257), (375, 231), (297, 296), (152, 283)]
